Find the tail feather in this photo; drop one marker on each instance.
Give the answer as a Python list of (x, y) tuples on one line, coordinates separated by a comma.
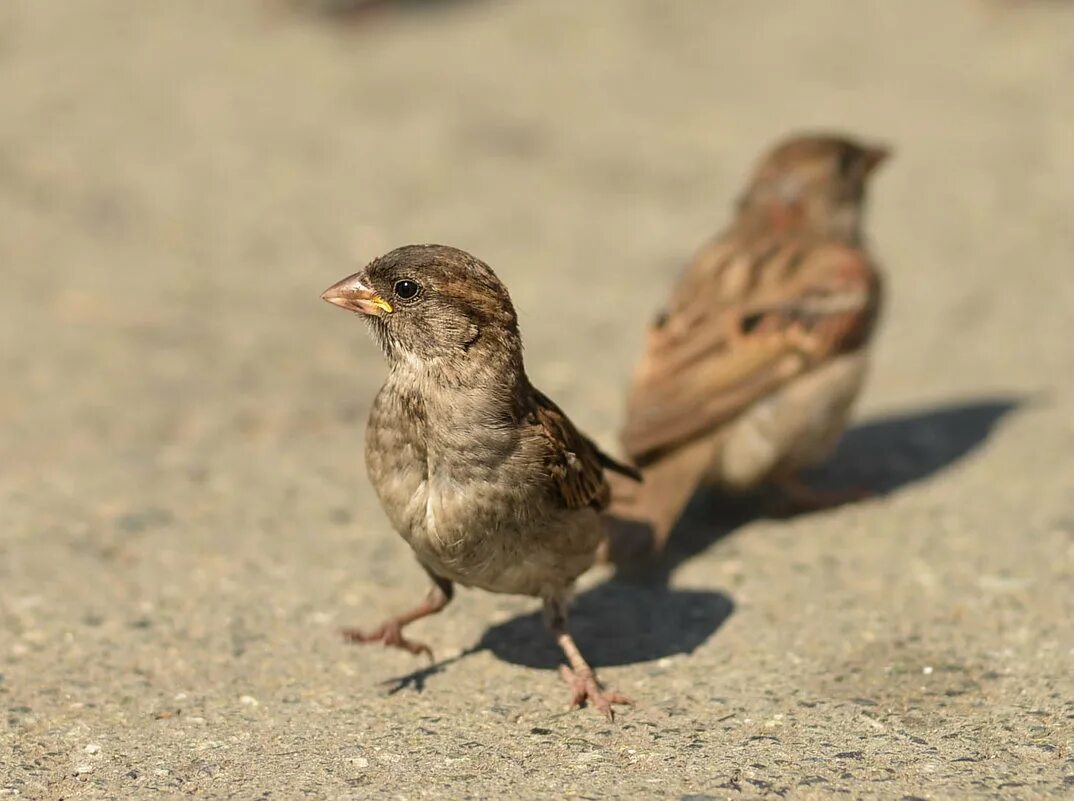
[(628, 470), (641, 516)]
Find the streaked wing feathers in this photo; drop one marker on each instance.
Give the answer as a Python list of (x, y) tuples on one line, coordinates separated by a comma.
[(574, 462), (749, 315)]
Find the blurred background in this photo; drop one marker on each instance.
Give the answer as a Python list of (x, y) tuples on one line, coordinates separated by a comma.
[(184, 515)]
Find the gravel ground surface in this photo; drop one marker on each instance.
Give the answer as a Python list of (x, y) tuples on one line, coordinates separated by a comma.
[(184, 516)]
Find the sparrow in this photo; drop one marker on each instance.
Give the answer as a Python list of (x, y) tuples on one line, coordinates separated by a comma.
[(485, 478), (750, 369)]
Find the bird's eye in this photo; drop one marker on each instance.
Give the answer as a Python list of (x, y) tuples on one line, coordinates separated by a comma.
[(407, 289)]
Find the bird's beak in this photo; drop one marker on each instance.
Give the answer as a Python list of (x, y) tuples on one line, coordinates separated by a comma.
[(352, 294), (875, 156)]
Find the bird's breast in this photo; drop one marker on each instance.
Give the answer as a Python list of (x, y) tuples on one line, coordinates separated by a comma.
[(465, 491)]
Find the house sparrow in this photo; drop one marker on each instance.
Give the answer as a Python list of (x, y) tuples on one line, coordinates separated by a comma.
[(486, 479), (750, 370)]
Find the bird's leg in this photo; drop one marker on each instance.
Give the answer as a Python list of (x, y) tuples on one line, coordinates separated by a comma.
[(579, 676), (803, 497), (390, 632)]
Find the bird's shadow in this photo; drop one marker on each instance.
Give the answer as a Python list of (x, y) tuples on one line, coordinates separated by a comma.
[(614, 623), (888, 453), (882, 456), (637, 617), (358, 12)]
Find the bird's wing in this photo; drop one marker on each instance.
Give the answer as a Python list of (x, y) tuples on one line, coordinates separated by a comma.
[(749, 315), (574, 462)]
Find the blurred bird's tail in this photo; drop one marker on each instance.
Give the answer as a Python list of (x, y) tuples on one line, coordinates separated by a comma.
[(641, 516)]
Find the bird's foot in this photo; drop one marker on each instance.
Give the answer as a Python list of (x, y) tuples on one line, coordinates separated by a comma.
[(390, 635), (585, 689)]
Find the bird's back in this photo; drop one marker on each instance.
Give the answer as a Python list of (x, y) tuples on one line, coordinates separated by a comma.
[(752, 312)]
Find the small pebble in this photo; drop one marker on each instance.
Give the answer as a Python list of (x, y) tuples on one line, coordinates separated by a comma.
[(92, 748), (927, 670), (248, 700)]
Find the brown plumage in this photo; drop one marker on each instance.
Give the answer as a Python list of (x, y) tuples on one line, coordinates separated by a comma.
[(750, 370), (486, 478)]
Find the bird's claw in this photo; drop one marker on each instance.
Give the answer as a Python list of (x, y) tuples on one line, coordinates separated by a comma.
[(585, 689), (390, 635)]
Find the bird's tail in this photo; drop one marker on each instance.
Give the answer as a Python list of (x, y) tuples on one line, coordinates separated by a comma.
[(640, 518)]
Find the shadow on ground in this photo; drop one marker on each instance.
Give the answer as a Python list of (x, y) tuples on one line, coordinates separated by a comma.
[(637, 617), (614, 623), (617, 624), (887, 454), (882, 456), (355, 12)]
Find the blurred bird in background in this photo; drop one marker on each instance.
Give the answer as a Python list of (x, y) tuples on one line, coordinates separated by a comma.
[(750, 370)]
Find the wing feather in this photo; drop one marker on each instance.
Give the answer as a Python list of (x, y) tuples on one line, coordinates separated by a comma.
[(574, 462), (748, 316)]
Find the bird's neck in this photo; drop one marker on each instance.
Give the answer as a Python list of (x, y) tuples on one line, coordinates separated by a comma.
[(839, 224), (469, 418), (476, 392)]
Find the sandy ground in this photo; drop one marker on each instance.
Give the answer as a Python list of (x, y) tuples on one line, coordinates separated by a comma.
[(184, 516)]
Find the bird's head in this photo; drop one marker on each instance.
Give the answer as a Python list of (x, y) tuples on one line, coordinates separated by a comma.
[(813, 185), (433, 305)]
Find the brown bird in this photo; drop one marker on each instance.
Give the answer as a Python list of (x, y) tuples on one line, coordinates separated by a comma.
[(486, 479), (749, 372)]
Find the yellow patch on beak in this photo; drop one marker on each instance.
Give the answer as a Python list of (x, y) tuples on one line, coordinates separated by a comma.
[(353, 295)]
